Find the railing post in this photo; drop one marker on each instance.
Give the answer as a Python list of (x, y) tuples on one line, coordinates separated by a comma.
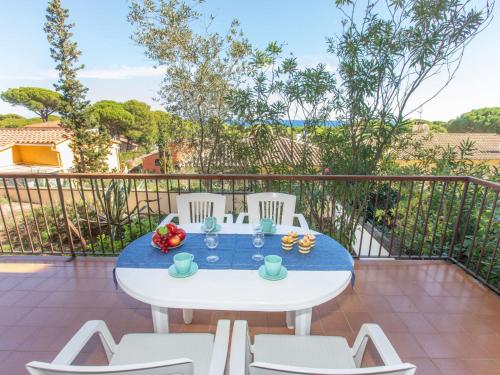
[(459, 218), (65, 216)]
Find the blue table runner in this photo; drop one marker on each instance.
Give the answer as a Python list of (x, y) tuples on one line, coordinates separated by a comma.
[(235, 252)]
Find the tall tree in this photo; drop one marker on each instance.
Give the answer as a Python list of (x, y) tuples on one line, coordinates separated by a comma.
[(386, 52), (279, 93), (483, 120), (90, 141), (143, 126), (200, 68), (113, 116), (41, 101)]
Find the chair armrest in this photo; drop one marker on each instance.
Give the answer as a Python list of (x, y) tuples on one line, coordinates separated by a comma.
[(171, 366), (265, 368), (380, 341), (221, 345), (241, 217), (167, 220), (302, 221), (229, 218), (241, 354), (78, 341)]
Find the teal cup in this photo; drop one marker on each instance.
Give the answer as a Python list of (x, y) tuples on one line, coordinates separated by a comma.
[(272, 263), (210, 224), (182, 262), (266, 225)]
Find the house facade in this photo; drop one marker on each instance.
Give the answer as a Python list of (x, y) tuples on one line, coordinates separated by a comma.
[(42, 148), (151, 162)]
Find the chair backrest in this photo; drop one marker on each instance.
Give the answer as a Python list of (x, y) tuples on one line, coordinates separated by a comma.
[(277, 206), (195, 207), (181, 366), (259, 368)]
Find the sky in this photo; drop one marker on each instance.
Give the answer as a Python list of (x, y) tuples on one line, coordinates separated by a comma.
[(117, 69)]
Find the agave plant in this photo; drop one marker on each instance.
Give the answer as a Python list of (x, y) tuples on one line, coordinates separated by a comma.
[(113, 201)]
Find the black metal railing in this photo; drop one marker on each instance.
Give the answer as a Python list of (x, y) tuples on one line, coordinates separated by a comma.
[(405, 217)]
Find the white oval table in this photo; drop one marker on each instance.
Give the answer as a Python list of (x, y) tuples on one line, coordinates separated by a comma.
[(239, 290)]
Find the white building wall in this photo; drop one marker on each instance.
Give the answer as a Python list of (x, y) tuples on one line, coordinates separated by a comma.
[(67, 158), (66, 155), (6, 157), (114, 158)]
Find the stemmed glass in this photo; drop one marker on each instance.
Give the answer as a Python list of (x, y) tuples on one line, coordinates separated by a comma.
[(212, 240), (258, 242)]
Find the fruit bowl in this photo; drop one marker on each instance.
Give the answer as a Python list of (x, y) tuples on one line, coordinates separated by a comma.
[(168, 237), (170, 248)]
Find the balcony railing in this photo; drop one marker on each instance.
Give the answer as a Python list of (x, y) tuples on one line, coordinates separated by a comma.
[(456, 218)]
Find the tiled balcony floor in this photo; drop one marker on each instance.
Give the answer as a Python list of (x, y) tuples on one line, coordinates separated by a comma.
[(435, 315)]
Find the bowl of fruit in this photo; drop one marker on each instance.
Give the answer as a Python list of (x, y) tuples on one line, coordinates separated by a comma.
[(168, 237)]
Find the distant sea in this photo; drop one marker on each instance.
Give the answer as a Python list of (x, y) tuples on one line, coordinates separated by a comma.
[(298, 123)]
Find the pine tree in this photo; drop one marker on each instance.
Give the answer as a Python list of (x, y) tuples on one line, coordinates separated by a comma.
[(90, 142)]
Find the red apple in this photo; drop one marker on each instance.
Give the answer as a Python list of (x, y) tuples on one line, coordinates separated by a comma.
[(173, 241), (181, 233), (171, 227)]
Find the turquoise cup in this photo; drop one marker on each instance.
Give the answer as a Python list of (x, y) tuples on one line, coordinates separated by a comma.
[(272, 263), (266, 225), (182, 262)]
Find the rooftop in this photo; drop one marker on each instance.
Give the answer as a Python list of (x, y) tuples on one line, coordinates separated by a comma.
[(284, 152), (437, 316), (45, 125), (487, 145), (30, 135)]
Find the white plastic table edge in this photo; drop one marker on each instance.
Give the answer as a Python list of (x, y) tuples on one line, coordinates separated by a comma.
[(298, 313)]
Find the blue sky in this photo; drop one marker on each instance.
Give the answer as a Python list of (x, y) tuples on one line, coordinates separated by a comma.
[(117, 69)]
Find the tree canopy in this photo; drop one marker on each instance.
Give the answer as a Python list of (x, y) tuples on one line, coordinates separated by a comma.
[(142, 129), (386, 52), (41, 101), (90, 142), (200, 67), (483, 120), (114, 116), (16, 121)]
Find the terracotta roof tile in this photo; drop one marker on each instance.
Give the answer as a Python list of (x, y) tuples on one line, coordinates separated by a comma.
[(487, 145), (49, 124), (279, 154), (9, 137)]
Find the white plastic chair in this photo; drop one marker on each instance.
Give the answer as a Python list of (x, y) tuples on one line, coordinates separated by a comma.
[(196, 207), (144, 353), (311, 355), (277, 206)]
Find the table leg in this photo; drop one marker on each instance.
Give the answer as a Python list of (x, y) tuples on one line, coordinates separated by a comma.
[(160, 319), (187, 315), (290, 319), (303, 322)]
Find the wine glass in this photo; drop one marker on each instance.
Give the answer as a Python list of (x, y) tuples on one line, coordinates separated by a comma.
[(258, 242), (212, 240)]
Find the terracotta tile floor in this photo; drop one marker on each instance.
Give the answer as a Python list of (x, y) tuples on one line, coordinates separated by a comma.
[(435, 315)]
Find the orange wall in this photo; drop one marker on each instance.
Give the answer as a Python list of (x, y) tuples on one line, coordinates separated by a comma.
[(36, 155)]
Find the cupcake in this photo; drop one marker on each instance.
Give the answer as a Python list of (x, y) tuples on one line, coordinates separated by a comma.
[(311, 238), (305, 246), (294, 236), (287, 243)]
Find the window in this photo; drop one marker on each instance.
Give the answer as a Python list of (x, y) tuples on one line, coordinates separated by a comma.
[(157, 162)]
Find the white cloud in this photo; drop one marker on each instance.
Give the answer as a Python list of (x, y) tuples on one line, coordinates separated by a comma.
[(311, 61), (121, 72), (42, 76)]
